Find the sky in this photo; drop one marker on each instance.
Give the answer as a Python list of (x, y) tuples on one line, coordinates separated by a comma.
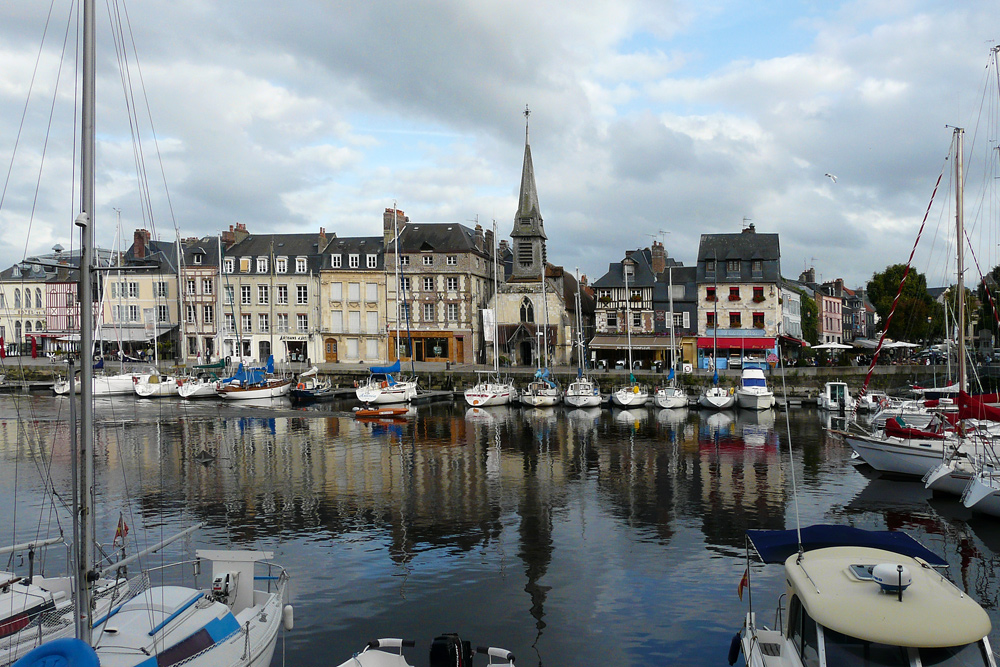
[(650, 120)]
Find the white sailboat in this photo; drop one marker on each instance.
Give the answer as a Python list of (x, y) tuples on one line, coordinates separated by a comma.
[(231, 623), (633, 394), (583, 392), (543, 391), (491, 388), (671, 396), (716, 397)]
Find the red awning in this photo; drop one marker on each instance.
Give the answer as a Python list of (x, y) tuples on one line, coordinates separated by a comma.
[(726, 343)]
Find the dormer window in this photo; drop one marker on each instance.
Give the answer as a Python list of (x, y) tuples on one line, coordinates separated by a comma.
[(354, 260), (196, 258), (300, 265), (334, 261), (230, 265), (262, 265), (372, 261), (281, 265), (709, 266), (733, 266), (244, 265)]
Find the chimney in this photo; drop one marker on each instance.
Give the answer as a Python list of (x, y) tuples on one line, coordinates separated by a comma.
[(322, 238), (839, 282), (235, 234), (808, 276), (480, 239), (750, 229), (139, 242), (489, 240), (658, 258), (392, 219), (583, 279)]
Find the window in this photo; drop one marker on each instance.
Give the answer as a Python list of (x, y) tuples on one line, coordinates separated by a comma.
[(635, 295), (300, 265), (263, 323), (427, 260), (612, 320), (452, 284), (133, 290), (679, 320), (162, 313), (404, 312), (208, 314), (334, 261), (735, 321), (336, 291), (281, 265), (245, 295), (428, 312), (17, 298), (734, 293), (404, 260), (709, 294), (229, 295), (229, 265), (133, 314), (758, 320), (302, 323), (371, 325), (27, 326), (428, 284), (244, 265), (207, 286), (732, 266), (301, 294), (262, 265), (709, 266), (161, 288), (452, 312), (710, 320), (354, 292), (230, 323), (246, 322), (452, 260), (636, 320), (372, 261), (192, 287), (3, 302), (38, 298), (527, 310), (354, 261), (371, 348), (758, 294), (196, 257), (282, 295), (336, 321), (192, 343), (281, 319), (192, 314), (757, 267), (802, 633), (371, 292), (404, 283), (352, 348), (263, 294)]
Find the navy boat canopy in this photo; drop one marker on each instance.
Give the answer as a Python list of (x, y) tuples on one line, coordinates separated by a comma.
[(385, 369), (775, 546)]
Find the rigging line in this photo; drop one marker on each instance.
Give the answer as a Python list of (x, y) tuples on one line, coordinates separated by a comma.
[(791, 461)]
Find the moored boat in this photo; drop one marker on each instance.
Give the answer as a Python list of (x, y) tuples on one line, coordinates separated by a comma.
[(835, 396), (383, 386), (753, 392), (310, 388)]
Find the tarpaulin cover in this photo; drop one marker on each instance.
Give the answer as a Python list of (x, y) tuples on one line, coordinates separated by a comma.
[(973, 407), (775, 546), (386, 369)]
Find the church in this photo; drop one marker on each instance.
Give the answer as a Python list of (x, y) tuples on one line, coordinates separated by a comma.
[(536, 320)]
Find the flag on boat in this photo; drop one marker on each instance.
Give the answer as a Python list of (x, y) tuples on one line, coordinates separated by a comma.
[(744, 582), (715, 378), (121, 532), (670, 375)]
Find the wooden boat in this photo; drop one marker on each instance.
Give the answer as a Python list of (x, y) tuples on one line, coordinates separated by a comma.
[(380, 412)]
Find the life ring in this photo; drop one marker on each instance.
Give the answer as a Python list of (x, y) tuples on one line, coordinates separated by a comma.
[(301, 385)]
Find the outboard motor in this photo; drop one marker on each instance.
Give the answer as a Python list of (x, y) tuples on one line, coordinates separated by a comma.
[(448, 650)]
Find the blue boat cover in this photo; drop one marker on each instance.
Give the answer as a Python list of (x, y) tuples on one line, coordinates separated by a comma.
[(66, 652), (775, 546), (385, 369)]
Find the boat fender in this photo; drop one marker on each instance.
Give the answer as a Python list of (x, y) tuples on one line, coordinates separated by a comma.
[(635, 390), (384, 384), (288, 617), (301, 385), (229, 360), (734, 649), (730, 391)]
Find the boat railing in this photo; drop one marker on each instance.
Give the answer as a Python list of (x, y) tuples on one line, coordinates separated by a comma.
[(779, 614)]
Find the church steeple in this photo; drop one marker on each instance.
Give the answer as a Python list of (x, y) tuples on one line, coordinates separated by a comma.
[(528, 236)]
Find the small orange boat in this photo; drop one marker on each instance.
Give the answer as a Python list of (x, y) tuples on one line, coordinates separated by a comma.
[(380, 412)]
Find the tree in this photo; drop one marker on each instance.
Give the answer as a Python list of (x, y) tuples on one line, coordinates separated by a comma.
[(809, 312), (912, 320)]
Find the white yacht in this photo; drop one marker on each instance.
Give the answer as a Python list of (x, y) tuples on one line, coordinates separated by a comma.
[(583, 393), (384, 387), (835, 396), (753, 393), (717, 398)]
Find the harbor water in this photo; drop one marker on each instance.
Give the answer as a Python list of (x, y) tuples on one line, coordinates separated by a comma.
[(570, 537)]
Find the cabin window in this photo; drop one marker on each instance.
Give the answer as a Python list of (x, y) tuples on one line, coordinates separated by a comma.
[(802, 633), (970, 654), (842, 651)]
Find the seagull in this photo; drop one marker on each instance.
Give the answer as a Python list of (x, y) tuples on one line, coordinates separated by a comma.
[(831, 177)]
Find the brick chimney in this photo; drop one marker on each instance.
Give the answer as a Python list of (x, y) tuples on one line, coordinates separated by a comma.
[(658, 257), (503, 247), (480, 238), (489, 241), (140, 240), (322, 238), (839, 283), (235, 234), (392, 219)]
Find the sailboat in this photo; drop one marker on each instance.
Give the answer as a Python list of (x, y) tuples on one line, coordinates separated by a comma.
[(633, 394), (232, 622), (543, 391), (716, 397), (583, 392), (490, 387), (671, 396)]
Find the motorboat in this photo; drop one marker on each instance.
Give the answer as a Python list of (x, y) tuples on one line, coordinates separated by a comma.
[(717, 398), (384, 386), (856, 597), (583, 392), (310, 388), (490, 389), (901, 449), (753, 392), (446, 651), (542, 391), (835, 396)]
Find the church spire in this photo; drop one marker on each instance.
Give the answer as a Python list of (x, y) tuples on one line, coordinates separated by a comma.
[(528, 236), (527, 207)]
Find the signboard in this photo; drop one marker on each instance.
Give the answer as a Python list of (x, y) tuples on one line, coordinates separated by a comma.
[(149, 320), (489, 320)]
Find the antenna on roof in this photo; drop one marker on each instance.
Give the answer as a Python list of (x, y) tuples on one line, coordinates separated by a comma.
[(746, 220)]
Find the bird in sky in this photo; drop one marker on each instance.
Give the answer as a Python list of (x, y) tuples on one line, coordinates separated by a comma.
[(831, 177)]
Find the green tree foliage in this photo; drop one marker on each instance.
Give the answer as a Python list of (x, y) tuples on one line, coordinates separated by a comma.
[(915, 307), (987, 320), (810, 317)]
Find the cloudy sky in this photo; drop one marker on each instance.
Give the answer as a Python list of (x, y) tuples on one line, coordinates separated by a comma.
[(650, 119)]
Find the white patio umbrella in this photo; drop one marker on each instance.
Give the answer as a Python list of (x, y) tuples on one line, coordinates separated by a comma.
[(831, 346)]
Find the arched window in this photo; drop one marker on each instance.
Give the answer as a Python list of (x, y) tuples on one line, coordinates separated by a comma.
[(27, 327), (39, 326), (17, 298), (527, 310), (38, 297), (17, 331)]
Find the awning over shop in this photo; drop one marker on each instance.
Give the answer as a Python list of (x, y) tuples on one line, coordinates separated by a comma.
[(793, 340), (727, 343), (638, 343), (111, 334)]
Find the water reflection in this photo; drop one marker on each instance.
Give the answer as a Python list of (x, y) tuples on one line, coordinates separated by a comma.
[(543, 530)]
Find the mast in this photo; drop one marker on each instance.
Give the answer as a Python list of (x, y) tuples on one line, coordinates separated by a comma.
[(670, 287), (182, 340), (628, 316), (715, 320), (496, 302), (220, 315), (545, 331), (85, 220), (959, 226), (579, 325)]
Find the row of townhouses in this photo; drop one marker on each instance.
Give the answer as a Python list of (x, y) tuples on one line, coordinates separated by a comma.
[(429, 292)]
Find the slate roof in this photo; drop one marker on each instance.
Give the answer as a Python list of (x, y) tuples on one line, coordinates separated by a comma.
[(280, 245), (643, 276), (359, 245), (207, 247), (436, 237), (160, 253), (746, 247)]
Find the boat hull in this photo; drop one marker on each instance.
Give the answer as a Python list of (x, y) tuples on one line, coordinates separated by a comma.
[(912, 458), (401, 392), (540, 399), (195, 389), (717, 400), (754, 400), (271, 389), (627, 397), (670, 398)]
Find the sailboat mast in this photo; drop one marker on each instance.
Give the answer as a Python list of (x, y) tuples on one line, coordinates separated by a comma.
[(85, 551), (496, 302), (579, 323), (715, 316), (959, 226), (670, 287), (545, 306), (628, 315)]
